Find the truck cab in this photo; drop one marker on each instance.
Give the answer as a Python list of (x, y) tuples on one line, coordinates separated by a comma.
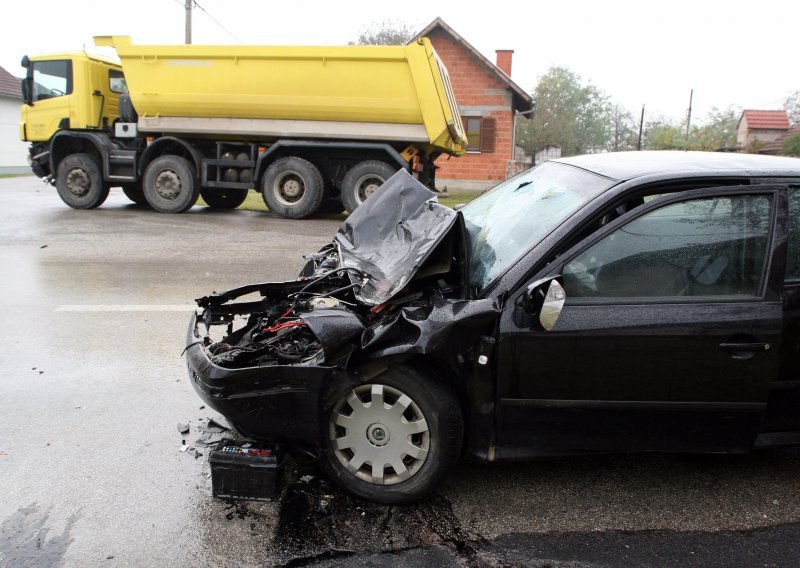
[(69, 91)]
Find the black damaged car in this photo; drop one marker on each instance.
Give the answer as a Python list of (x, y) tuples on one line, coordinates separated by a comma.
[(607, 303)]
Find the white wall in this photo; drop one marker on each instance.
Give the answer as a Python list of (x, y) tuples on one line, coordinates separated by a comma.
[(13, 152)]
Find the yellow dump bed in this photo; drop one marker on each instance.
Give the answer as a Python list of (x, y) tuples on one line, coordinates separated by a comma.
[(400, 94)]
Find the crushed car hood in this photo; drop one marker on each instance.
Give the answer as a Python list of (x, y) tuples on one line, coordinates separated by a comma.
[(391, 235)]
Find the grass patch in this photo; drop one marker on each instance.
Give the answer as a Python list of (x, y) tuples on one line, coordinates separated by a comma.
[(14, 175), (254, 201)]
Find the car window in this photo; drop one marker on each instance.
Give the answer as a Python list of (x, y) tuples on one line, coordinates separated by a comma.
[(507, 221), (793, 259), (702, 247)]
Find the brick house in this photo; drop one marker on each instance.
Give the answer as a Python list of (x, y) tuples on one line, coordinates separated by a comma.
[(757, 128), (488, 101)]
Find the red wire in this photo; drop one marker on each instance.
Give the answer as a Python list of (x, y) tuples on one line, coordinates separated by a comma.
[(285, 325)]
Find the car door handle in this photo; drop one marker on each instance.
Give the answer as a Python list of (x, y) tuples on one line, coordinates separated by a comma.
[(744, 347)]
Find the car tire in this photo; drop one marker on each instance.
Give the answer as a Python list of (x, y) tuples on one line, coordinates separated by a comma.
[(170, 184), (292, 187), (362, 180), (79, 182), (358, 432), (223, 198), (135, 194)]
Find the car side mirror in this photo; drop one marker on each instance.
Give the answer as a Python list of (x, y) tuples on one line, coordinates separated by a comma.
[(544, 299)]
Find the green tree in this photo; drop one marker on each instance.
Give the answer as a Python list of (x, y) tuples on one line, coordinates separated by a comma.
[(388, 32), (792, 106), (568, 113), (718, 131), (661, 134), (624, 130), (791, 146)]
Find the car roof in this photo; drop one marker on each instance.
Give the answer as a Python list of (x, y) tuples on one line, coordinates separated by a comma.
[(629, 165)]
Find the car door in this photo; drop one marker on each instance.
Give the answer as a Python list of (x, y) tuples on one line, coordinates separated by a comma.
[(782, 422), (669, 336)]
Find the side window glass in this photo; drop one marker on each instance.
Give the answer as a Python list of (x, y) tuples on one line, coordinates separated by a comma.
[(117, 82), (793, 258), (51, 79), (703, 247)]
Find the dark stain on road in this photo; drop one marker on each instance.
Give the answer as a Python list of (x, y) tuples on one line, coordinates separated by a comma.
[(26, 539), (318, 522)]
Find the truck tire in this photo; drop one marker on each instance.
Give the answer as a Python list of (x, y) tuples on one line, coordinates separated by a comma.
[(170, 185), (292, 187), (387, 453), (135, 194), (79, 182), (223, 198), (362, 180)]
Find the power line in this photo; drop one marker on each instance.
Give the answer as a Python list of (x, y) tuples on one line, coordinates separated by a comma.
[(218, 22)]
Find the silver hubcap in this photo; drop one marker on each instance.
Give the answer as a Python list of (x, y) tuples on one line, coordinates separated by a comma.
[(168, 184), (366, 186), (289, 188), (379, 434), (78, 182)]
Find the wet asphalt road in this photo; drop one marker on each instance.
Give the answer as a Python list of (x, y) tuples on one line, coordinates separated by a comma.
[(92, 385)]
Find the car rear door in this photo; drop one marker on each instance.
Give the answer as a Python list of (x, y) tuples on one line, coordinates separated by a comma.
[(669, 337)]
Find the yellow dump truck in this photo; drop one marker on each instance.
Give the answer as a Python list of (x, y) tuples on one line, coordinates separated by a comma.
[(312, 128)]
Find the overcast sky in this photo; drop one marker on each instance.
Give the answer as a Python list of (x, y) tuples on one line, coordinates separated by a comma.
[(649, 52)]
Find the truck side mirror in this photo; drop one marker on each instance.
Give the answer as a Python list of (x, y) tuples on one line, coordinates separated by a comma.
[(27, 96), (27, 82), (544, 299)]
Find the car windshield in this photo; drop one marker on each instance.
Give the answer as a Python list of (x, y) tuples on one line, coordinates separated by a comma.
[(506, 221)]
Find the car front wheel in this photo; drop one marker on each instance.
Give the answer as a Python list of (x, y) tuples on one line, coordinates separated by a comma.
[(393, 440)]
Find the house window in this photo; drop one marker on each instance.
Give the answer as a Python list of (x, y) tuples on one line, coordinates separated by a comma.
[(480, 133)]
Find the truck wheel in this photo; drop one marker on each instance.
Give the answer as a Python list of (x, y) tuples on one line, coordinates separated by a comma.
[(362, 180), (79, 182), (135, 194), (223, 198), (170, 185), (292, 187), (393, 440)]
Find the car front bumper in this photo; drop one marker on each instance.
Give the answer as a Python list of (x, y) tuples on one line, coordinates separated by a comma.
[(281, 403)]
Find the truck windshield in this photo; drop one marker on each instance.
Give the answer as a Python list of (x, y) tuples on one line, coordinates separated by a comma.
[(51, 79), (507, 221)]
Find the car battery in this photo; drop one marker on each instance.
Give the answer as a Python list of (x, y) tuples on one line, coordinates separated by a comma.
[(246, 471)]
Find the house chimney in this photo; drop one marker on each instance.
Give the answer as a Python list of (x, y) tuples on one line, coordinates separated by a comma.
[(504, 60)]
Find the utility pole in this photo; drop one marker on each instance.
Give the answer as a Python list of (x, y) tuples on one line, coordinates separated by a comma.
[(188, 29), (641, 125), (689, 117)]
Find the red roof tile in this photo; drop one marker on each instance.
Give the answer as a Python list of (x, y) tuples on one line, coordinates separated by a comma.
[(766, 119), (9, 85)]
